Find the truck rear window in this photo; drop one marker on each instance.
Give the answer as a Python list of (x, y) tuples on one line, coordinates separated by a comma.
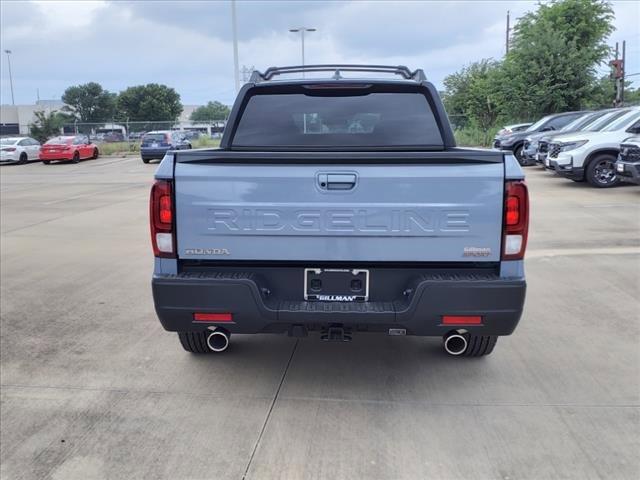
[(393, 119)]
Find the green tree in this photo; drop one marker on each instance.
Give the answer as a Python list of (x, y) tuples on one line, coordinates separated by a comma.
[(209, 112), (456, 94), (89, 102), (151, 102), (551, 66), (474, 93), (604, 93), (632, 96), (47, 125)]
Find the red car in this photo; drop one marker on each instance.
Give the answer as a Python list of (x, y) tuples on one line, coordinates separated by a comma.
[(72, 148)]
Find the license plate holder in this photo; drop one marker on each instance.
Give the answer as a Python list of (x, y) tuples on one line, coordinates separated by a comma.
[(336, 285)]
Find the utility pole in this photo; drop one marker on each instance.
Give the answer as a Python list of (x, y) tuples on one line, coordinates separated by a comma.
[(624, 51), (618, 75), (236, 70), (508, 31), (8, 52)]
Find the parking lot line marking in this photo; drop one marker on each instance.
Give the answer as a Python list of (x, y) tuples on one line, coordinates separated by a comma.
[(92, 194), (112, 161), (64, 216), (303, 398), (562, 252), (612, 205)]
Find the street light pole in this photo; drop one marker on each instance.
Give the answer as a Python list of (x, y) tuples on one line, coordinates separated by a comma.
[(234, 28), (8, 52), (302, 30)]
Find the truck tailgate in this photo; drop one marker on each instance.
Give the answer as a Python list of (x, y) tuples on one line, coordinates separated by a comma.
[(352, 212)]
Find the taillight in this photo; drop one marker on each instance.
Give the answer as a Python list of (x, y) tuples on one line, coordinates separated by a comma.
[(161, 219), (515, 228), (9, 149)]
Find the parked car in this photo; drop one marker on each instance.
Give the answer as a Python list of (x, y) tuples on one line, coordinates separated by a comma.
[(156, 144), (112, 137), (610, 116), (591, 155), (628, 163), (516, 127), (71, 148), (136, 135), (515, 141), (388, 228), (531, 143), (190, 134), (19, 149)]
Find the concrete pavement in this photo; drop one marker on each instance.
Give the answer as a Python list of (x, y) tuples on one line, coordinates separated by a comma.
[(92, 387)]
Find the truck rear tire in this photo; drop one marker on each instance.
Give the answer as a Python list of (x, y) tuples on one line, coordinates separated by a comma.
[(479, 345), (194, 342)]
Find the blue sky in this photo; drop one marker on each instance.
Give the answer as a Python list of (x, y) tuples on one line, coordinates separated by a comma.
[(187, 44)]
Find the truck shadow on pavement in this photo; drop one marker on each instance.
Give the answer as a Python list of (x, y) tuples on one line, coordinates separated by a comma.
[(372, 367)]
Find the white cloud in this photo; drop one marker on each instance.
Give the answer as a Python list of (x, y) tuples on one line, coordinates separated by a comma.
[(66, 15)]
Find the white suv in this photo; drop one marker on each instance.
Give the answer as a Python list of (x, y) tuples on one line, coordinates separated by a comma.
[(591, 155)]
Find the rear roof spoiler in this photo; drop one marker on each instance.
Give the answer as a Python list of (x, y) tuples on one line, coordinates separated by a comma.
[(416, 75)]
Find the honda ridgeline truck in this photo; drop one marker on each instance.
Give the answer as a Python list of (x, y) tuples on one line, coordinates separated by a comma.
[(339, 203)]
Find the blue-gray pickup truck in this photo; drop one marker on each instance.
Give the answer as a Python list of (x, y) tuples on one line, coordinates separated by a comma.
[(338, 203)]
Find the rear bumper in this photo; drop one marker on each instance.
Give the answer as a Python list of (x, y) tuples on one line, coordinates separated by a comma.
[(498, 300), (153, 153), (56, 156)]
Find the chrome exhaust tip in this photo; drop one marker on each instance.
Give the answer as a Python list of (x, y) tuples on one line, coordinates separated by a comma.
[(218, 340), (455, 343)]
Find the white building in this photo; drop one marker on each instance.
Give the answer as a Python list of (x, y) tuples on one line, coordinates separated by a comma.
[(15, 119)]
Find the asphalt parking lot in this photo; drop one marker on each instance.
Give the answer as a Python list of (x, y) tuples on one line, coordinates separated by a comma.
[(93, 387)]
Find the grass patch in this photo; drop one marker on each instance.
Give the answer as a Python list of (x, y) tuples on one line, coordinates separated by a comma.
[(205, 142), (123, 148), (475, 137), (116, 148)]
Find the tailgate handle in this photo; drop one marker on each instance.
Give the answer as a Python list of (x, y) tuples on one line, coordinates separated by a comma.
[(337, 181)]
